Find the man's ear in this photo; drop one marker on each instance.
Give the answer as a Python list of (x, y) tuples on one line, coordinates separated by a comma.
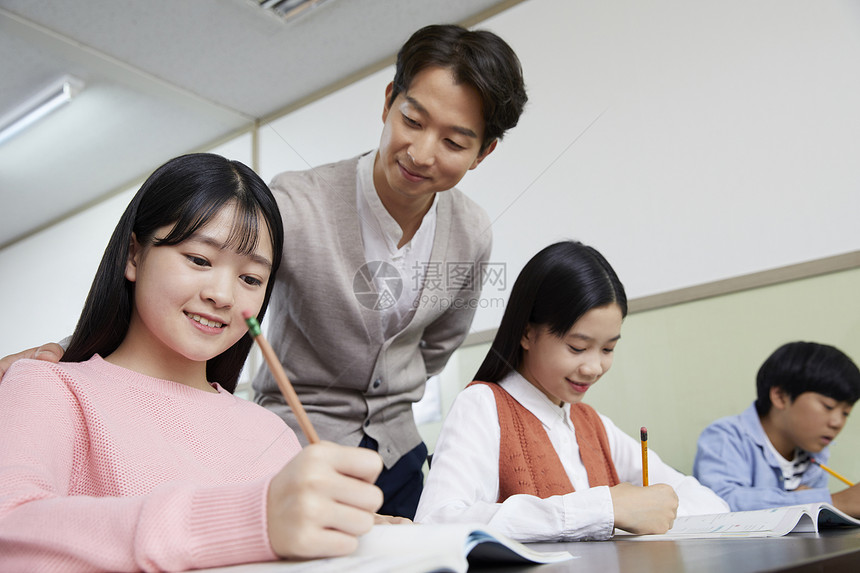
[(387, 106), (133, 259), (484, 154)]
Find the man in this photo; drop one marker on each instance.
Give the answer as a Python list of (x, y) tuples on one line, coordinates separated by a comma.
[(385, 289)]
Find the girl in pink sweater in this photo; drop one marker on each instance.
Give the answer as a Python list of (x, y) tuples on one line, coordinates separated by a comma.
[(132, 453)]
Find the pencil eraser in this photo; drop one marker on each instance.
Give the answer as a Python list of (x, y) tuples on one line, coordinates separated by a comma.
[(246, 314), (643, 433)]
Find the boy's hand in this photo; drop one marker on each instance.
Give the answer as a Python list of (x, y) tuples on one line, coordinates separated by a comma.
[(848, 500), (51, 352), (641, 510), (322, 500)]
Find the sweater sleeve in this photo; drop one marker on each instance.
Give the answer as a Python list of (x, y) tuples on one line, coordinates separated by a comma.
[(177, 525), (724, 464), (463, 483)]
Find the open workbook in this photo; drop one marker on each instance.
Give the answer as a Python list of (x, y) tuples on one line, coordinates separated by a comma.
[(773, 522), (416, 549)]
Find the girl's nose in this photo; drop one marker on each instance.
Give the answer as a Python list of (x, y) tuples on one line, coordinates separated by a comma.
[(219, 290), (591, 367)]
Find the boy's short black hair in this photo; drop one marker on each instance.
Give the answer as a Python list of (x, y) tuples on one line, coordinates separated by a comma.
[(799, 367), (478, 58)]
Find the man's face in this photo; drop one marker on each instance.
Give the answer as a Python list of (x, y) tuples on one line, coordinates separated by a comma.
[(431, 138)]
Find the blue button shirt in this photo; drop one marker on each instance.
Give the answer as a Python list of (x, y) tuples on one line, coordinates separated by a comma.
[(734, 460)]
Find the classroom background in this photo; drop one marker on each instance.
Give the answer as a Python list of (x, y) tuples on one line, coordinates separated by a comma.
[(708, 149)]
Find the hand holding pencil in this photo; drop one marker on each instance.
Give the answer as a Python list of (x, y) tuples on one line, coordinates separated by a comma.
[(308, 529)]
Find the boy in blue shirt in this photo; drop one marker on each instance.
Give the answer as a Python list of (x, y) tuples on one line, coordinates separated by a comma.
[(763, 457)]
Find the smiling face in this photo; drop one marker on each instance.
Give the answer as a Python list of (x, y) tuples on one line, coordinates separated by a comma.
[(809, 422), (432, 136), (189, 298), (565, 367)]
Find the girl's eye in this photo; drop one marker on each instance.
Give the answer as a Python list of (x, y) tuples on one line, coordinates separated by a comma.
[(199, 261), (608, 350), (575, 349), (253, 281)]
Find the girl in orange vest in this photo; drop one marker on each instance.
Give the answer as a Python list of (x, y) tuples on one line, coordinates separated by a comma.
[(519, 451)]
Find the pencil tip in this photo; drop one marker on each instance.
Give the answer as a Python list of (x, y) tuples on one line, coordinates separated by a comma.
[(246, 314)]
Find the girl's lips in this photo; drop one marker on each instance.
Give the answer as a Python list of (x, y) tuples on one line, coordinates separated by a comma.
[(208, 325), (581, 388)]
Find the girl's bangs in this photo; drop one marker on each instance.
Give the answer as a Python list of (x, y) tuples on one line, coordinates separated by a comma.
[(244, 234)]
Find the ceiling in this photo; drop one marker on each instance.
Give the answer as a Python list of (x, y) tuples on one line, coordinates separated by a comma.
[(164, 77)]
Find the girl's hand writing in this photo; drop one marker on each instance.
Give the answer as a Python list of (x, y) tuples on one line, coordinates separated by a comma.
[(642, 510), (322, 500)]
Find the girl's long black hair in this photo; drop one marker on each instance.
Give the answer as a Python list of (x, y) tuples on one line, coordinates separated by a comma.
[(186, 192), (555, 288)]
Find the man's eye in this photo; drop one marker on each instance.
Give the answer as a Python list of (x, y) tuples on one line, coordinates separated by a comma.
[(199, 261)]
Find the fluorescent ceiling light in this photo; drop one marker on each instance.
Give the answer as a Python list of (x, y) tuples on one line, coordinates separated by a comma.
[(288, 9), (38, 106)]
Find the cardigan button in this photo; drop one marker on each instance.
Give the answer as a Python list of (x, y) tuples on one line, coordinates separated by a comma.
[(377, 383)]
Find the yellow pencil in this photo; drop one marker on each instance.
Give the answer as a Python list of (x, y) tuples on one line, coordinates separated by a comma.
[(281, 378), (643, 435), (831, 472)]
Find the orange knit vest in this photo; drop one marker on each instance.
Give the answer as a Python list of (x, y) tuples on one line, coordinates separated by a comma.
[(527, 461)]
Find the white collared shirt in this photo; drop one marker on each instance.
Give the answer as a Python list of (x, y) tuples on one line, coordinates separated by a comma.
[(380, 234), (463, 483)]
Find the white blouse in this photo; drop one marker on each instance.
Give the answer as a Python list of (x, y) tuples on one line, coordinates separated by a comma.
[(463, 483)]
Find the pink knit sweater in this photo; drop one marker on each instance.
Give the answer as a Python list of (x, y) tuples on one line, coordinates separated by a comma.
[(104, 468)]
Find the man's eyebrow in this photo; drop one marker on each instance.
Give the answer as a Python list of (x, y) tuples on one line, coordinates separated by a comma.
[(207, 240), (459, 129)]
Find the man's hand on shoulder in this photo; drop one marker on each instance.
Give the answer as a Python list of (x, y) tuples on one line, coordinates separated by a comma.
[(51, 352)]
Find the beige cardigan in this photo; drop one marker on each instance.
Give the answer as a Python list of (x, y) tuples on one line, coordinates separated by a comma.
[(351, 379)]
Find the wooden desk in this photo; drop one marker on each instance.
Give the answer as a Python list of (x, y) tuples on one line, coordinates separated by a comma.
[(834, 551)]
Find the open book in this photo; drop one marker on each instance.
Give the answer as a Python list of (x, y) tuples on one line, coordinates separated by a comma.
[(416, 549), (772, 522)]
